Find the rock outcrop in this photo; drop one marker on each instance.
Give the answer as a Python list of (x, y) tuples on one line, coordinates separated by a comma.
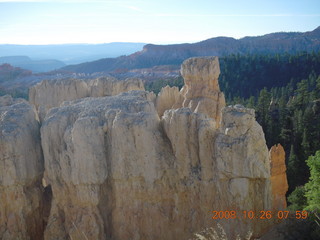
[(100, 153), (21, 170), (166, 98), (133, 166), (118, 171), (109, 86), (8, 100), (278, 177), (201, 91), (48, 94), (112, 163)]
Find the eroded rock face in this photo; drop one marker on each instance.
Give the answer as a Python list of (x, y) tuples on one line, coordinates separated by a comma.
[(242, 161), (21, 170), (100, 153), (119, 171), (241, 144), (109, 86), (278, 176), (112, 163), (7, 100), (48, 94), (166, 98), (201, 91)]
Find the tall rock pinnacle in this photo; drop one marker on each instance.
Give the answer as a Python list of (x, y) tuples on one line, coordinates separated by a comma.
[(201, 91)]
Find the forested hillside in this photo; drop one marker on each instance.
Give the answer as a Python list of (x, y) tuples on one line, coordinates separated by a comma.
[(290, 115), (285, 92)]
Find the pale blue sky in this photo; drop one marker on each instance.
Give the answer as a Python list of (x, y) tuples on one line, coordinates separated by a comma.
[(150, 21)]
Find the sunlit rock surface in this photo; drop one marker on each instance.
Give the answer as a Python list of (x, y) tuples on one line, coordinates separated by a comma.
[(278, 176), (48, 94), (21, 169), (122, 167)]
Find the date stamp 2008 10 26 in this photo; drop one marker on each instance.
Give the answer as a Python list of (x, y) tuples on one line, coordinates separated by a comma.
[(261, 215)]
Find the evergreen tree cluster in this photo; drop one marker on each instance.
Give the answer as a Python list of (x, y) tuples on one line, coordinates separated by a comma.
[(290, 115), (243, 76), (285, 92), (155, 86)]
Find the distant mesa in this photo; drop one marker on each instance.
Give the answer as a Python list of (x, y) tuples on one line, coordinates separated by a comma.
[(157, 55)]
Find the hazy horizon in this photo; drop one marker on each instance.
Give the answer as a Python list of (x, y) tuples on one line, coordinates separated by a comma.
[(35, 22), (86, 43)]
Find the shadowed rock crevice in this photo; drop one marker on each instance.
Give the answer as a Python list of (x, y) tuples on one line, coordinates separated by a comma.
[(47, 200)]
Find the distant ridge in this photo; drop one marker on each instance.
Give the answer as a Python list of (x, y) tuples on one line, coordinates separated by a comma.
[(156, 55), (25, 62), (71, 53)]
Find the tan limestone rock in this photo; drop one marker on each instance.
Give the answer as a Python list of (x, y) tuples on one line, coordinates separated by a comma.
[(242, 138), (112, 164), (109, 86), (48, 94), (278, 177), (166, 98), (242, 163), (21, 170), (119, 171), (96, 150), (201, 91)]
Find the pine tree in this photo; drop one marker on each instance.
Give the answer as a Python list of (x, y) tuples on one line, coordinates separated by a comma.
[(293, 169), (263, 108), (305, 144), (313, 186)]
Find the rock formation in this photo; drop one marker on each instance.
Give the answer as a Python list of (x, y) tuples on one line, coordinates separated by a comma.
[(21, 170), (201, 91), (109, 86), (278, 177), (112, 163), (7, 100), (132, 166), (167, 97), (48, 94)]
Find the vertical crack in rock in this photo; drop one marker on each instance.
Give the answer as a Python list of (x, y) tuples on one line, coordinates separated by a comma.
[(21, 171)]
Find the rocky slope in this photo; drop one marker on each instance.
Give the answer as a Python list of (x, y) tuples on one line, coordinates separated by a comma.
[(139, 166)]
